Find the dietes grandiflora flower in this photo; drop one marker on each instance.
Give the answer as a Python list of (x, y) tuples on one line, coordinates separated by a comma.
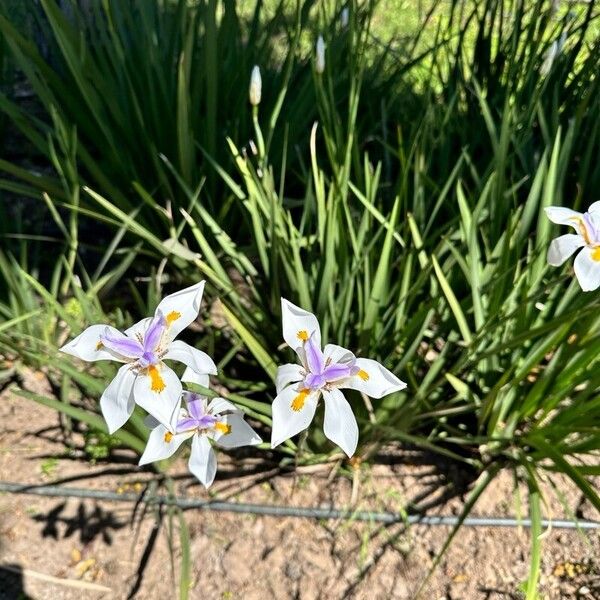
[(322, 373), (144, 378)]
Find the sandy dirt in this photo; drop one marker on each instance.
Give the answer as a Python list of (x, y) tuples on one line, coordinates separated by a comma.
[(54, 549)]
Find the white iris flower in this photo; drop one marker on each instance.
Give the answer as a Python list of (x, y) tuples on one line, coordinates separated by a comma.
[(145, 379), (322, 373), (218, 420), (587, 226)]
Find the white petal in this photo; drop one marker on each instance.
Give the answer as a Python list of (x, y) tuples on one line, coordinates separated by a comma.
[(287, 374), (161, 444), (337, 354), (563, 216), (203, 462), (116, 402), (561, 248), (192, 357), (190, 376), (296, 322), (594, 208), (587, 269), (288, 422), (181, 308), (219, 405), (139, 329), (164, 404), (150, 422), (373, 379), (241, 434), (86, 345), (340, 423)]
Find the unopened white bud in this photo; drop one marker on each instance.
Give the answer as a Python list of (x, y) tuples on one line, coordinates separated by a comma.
[(320, 60), (345, 17), (255, 86), (549, 57), (561, 40)]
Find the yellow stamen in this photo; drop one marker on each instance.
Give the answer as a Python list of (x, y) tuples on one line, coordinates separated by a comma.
[(157, 383), (299, 400), (172, 316), (363, 375), (302, 335), (223, 428), (99, 345), (596, 254), (168, 436)]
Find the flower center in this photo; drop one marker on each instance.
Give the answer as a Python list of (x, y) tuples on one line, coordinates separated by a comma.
[(315, 381), (206, 421), (201, 424), (147, 359)]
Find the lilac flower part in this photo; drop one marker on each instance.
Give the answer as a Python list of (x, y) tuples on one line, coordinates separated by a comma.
[(122, 345), (337, 371), (591, 228), (186, 424), (206, 421), (189, 423), (196, 407), (147, 359), (198, 417), (154, 333), (315, 381), (314, 356), (195, 404)]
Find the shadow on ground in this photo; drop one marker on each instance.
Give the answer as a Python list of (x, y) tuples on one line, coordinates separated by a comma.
[(89, 523), (11, 583)]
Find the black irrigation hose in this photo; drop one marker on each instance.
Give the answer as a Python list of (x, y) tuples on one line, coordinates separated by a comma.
[(286, 511)]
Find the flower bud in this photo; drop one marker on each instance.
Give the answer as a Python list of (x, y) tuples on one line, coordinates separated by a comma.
[(549, 58), (255, 86), (320, 60), (345, 17)]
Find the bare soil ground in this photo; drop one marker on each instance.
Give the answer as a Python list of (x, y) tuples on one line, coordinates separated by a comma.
[(57, 549)]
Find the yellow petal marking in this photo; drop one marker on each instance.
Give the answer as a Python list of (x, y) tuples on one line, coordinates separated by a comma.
[(299, 400), (157, 383), (596, 254), (582, 230), (363, 375), (99, 345), (168, 436), (302, 335), (172, 316), (223, 428)]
